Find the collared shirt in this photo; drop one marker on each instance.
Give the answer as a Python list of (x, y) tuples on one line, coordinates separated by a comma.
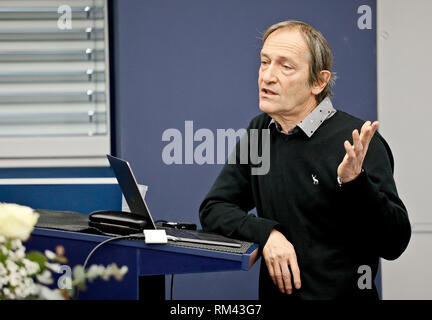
[(312, 121)]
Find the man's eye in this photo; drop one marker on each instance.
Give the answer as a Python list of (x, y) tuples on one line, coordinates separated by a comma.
[(287, 67), (264, 62)]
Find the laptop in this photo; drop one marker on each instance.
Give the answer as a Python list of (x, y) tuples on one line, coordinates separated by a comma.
[(140, 210)]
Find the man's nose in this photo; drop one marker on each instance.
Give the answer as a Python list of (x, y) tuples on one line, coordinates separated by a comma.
[(269, 74)]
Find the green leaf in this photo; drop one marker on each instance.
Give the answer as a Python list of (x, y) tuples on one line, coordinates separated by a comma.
[(3, 257)]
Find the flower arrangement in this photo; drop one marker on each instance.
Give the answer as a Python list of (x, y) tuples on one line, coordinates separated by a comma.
[(29, 275)]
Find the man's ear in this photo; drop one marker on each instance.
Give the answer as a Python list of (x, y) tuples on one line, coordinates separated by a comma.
[(319, 86)]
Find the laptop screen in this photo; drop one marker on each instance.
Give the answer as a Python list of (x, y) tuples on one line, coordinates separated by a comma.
[(129, 188)]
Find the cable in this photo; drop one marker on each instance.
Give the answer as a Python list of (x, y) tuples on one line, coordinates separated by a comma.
[(137, 235), (101, 244)]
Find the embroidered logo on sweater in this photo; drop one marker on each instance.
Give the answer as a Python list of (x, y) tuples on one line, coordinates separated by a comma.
[(315, 180)]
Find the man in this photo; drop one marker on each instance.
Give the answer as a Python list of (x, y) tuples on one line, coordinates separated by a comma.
[(328, 209)]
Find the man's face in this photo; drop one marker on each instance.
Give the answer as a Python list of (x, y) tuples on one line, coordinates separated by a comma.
[(284, 73)]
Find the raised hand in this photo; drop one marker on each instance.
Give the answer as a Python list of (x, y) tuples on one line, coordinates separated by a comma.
[(352, 163)]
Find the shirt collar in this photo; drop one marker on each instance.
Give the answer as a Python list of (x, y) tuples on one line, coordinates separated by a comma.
[(313, 120)]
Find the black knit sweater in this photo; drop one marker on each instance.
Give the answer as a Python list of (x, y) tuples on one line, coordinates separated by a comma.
[(334, 229)]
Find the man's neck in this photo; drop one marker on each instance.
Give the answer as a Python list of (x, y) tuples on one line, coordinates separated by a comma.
[(289, 120)]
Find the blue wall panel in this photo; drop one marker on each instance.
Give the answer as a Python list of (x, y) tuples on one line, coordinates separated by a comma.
[(84, 198)]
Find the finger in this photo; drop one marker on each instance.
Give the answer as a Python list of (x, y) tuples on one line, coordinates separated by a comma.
[(375, 126), (271, 271), (366, 125), (365, 132), (358, 147), (349, 151), (371, 131), (295, 271), (279, 278), (286, 277)]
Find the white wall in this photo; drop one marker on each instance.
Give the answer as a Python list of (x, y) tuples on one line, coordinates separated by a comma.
[(405, 113)]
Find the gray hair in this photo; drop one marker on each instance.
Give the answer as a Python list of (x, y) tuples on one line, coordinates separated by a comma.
[(320, 53)]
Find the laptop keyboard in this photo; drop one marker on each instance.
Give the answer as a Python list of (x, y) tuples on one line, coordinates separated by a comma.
[(196, 234), (179, 233)]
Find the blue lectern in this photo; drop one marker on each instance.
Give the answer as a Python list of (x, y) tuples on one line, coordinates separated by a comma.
[(147, 263)]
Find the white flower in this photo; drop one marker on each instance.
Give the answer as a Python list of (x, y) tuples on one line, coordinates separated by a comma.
[(21, 293), (50, 255), (123, 270), (23, 272), (24, 289), (45, 277), (31, 267), (11, 266), (21, 278), (16, 244), (28, 282), (33, 288), (93, 272), (48, 294), (20, 253), (8, 293), (54, 267), (14, 279), (16, 255), (4, 280), (16, 221)]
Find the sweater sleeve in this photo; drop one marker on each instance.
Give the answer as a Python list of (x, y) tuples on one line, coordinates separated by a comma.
[(225, 208), (373, 204)]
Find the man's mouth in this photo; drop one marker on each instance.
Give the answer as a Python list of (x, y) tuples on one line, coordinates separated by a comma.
[(268, 91)]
